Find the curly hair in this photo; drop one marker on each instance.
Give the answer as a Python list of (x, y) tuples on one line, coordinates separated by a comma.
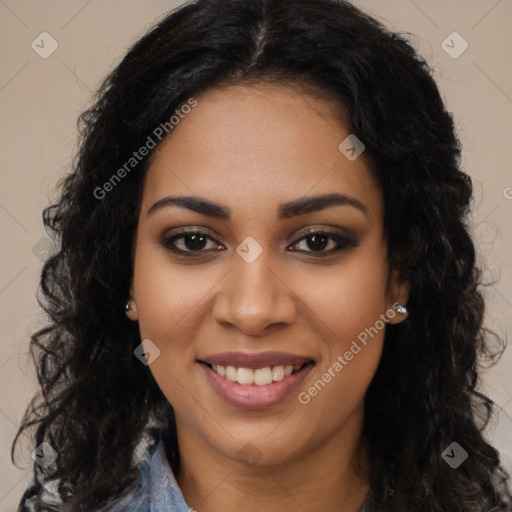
[(425, 392)]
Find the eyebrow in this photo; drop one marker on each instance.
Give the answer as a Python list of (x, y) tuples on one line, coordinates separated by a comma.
[(285, 210)]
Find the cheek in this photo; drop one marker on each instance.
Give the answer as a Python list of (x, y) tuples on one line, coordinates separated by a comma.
[(347, 299), (349, 306), (166, 294), (168, 302), (351, 354)]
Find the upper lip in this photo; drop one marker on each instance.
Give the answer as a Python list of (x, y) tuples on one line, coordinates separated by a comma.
[(255, 360)]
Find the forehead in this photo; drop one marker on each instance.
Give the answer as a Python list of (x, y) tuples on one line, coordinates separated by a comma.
[(250, 146)]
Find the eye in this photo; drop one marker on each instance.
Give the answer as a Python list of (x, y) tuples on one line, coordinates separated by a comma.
[(194, 242), (319, 240), (190, 242)]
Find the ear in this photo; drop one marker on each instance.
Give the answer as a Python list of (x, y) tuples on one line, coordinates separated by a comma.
[(131, 311), (397, 293)]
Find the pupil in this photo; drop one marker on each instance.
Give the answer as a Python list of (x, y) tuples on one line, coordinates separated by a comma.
[(195, 242), (318, 242)]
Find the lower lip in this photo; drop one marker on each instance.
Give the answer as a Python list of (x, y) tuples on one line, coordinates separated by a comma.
[(252, 396)]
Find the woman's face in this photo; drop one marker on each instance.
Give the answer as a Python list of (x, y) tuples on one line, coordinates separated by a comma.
[(257, 291)]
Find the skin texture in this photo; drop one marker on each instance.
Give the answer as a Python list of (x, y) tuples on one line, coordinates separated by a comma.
[(251, 148)]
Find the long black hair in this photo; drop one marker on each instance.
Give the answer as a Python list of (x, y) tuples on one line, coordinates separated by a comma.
[(98, 401)]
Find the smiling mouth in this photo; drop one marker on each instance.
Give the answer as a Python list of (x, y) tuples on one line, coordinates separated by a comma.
[(259, 376)]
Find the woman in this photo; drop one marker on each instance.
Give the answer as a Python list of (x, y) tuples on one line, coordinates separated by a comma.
[(266, 295)]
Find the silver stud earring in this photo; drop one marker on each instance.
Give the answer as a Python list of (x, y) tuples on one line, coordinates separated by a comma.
[(127, 306), (401, 309)]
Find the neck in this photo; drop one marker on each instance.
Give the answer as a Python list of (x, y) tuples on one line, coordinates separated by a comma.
[(329, 476)]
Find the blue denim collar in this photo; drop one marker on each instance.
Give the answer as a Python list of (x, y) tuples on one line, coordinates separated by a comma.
[(165, 494)]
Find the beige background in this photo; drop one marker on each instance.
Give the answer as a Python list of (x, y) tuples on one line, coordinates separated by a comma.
[(40, 100)]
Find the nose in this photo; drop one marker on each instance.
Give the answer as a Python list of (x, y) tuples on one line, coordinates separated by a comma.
[(253, 297)]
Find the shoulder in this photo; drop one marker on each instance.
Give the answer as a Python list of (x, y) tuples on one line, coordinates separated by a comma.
[(157, 489), (40, 497), (138, 497)]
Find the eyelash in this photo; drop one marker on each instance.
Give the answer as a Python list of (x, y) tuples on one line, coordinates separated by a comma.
[(342, 241)]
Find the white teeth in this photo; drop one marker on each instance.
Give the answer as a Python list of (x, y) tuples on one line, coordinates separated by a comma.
[(258, 377), (245, 376), (263, 376), (231, 372), (278, 373)]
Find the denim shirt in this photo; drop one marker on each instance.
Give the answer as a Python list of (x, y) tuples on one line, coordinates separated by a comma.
[(165, 495), (156, 490)]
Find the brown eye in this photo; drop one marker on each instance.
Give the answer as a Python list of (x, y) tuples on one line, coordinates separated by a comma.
[(189, 242), (319, 241)]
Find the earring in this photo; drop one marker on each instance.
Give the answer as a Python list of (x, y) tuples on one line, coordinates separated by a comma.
[(127, 306), (401, 309)]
